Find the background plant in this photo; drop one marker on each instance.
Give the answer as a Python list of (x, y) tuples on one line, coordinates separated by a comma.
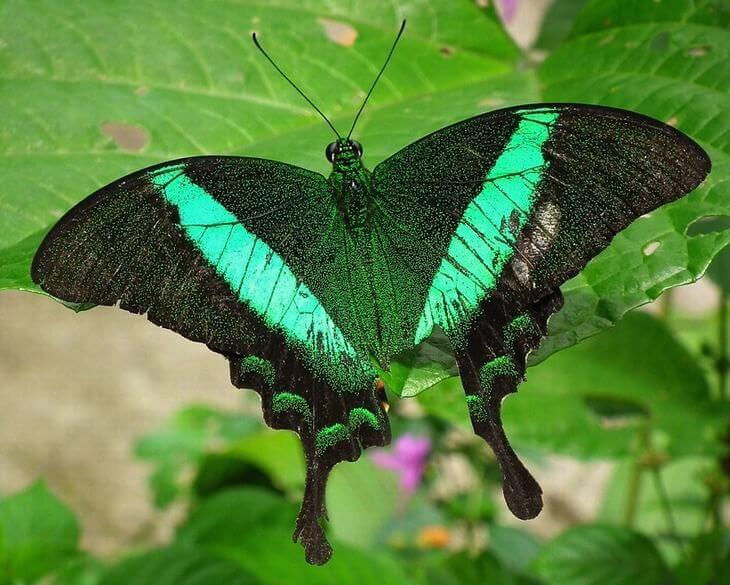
[(93, 90)]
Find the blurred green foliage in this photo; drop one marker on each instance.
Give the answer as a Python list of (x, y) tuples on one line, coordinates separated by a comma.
[(651, 395)]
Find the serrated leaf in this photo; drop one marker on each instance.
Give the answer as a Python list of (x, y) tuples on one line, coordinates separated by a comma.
[(608, 555), (38, 535)]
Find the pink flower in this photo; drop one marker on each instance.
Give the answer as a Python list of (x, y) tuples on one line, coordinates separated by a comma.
[(508, 9), (407, 458)]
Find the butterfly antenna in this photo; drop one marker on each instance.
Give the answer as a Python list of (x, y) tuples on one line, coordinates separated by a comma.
[(372, 87), (294, 85)]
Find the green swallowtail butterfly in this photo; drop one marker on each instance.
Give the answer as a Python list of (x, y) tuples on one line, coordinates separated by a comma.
[(304, 283)]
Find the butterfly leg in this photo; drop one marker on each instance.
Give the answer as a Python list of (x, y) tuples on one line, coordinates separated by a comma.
[(492, 365)]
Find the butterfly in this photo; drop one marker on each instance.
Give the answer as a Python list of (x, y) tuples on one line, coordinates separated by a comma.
[(308, 285)]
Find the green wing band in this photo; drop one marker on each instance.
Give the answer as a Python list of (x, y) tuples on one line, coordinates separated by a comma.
[(256, 273), (484, 239)]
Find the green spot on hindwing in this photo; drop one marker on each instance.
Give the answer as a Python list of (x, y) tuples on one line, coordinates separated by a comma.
[(329, 436), (486, 236), (517, 328), (256, 365), (359, 416), (477, 408), (284, 402), (499, 366)]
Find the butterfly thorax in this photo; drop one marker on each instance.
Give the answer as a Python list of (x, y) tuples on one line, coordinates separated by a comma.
[(350, 184)]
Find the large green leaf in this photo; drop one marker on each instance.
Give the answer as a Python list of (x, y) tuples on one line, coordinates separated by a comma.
[(608, 555), (91, 92), (361, 500), (669, 60), (591, 400), (254, 528), (38, 535)]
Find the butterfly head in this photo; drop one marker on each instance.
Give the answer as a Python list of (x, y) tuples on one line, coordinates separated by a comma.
[(344, 150)]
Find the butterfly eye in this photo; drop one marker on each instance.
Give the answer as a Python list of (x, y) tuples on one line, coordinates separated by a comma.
[(331, 150), (358, 148)]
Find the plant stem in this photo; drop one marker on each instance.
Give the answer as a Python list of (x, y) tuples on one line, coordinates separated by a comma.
[(666, 505), (637, 472), (723, 360), (666, 305)]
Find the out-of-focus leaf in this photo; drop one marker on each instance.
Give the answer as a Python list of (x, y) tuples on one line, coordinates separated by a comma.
[(38, 535), (361, 500), (253, 528), (514, 548), (682, 481), (218, 472), (183, 442), (465, 569), (639, 363), (177, 566), (707, 561), (278, 453), (85, 570), (669, 60), (229, 516), (608, 555), (91, 93)]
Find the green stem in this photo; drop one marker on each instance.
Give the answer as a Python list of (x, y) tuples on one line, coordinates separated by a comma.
[(666, 505), (637, 472), (666, 305), (723, 359)]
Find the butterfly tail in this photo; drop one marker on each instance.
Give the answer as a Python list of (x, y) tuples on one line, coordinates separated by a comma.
[(333, 424), (492, 363)]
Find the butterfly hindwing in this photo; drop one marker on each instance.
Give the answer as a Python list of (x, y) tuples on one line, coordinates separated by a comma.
[(216, 248), (505, 207)]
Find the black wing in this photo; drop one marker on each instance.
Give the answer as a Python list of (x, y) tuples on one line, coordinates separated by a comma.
[(216, 248), (496, 212)]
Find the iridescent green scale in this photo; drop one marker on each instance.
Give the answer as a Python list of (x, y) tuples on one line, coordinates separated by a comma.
[(304, 283)]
